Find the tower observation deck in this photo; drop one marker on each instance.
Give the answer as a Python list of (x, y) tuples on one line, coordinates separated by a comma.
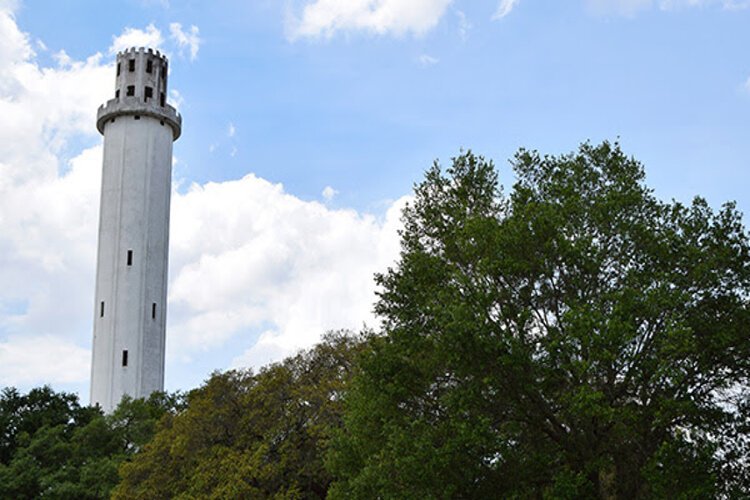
[(139, 128)]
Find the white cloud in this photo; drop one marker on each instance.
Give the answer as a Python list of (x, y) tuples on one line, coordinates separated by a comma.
[(398, 17), (134, 37), (427, 60), (188, 39), (268, 349), (747, 85), (29, 360), (48, 208), (246, 256), (504, 8), (231, 130), (329, 193), (183, 40)]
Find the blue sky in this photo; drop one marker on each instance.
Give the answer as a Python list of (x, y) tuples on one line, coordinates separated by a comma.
[(306, 123)]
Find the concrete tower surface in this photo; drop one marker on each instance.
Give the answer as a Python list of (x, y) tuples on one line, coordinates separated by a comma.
[(131, 273)]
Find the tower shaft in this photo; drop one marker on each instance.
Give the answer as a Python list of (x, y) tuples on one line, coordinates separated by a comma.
[(131, 276)]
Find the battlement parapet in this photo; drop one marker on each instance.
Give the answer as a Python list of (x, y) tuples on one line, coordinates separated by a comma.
[(134, 51), (140, 89), (132, 106)]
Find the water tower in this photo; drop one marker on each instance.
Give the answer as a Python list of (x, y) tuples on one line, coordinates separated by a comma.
[(139, 128)]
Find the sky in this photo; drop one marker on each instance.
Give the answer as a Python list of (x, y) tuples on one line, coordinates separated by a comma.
[(306, 124)]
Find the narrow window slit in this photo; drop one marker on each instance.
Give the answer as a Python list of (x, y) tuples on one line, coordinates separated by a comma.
[(153, 310), (130, 257), (118, 69), (131, 65), (125, 357), (162, 100), (149, 66), (101, 309)]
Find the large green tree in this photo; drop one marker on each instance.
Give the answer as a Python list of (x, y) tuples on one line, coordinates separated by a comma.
[(250, 435), (574, 338)]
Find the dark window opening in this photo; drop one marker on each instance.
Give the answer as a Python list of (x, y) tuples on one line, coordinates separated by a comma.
[(149, 66), (161, 122), (137, 117), (117, 94), (148, 93), (101, 309), (130, 257), (112, 120), (125, 357), (131, 65), (153, 310), (118, 69), (162, 99), (131, 90), (164, 72)]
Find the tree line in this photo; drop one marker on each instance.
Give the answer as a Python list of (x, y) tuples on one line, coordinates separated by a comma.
[(575, 337)]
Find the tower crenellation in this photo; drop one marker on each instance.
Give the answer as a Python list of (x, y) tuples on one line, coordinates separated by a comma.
[(141, 89), (139, 69)]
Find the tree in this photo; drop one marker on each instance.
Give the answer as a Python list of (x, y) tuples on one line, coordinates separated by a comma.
[(52, 447), (24, 414), (576, 338), (246, 435)]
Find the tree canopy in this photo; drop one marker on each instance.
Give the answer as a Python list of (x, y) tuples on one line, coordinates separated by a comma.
[(52, 447), (574, 338), (248, 435)]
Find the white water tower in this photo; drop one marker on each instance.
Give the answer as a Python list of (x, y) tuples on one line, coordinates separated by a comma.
[(131, 273)]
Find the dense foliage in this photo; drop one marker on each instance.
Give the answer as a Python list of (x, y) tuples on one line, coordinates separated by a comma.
[(247, 435), (52, 447), (576, 338)]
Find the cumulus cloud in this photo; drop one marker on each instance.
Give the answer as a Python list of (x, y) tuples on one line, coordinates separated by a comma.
[(249, 261), (504, 8), (135, 37), (231, 130), (28, 360), (246, 254), (186, 39), (181, 40), (48, 207), (327, 17)]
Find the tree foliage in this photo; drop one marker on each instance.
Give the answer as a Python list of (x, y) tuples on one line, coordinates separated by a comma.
[(51, 447), (246, 435), (575, 338)]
